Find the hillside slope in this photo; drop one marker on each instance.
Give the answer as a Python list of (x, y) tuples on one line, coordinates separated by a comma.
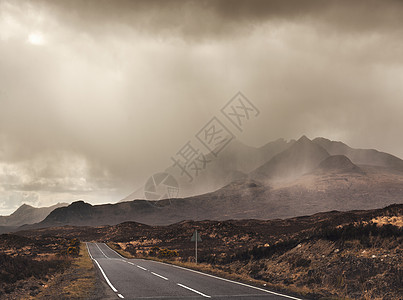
[(27, 214)]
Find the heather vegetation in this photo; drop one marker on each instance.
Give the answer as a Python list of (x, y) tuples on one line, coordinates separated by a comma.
[(329, 255), (27, 264), (356, 254)]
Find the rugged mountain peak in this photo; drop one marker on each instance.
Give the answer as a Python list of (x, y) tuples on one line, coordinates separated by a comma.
[(304, 146), (304, 139), (27, 214), (24, 207)]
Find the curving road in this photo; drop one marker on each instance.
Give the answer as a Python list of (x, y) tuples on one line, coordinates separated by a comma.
[(146, 279)]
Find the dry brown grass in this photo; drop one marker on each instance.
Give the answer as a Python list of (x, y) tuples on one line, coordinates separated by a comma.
[(77, 282), (395, 220), (121, 251)]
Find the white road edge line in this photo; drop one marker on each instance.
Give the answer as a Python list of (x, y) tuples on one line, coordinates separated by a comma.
[(159, 276), (88, 250), (106, 278), (103, 273), (141, 268), (120, 296), (101, 250), (190, 289), (228, 280)]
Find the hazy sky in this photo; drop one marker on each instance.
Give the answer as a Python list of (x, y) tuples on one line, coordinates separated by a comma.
[(95, 96)]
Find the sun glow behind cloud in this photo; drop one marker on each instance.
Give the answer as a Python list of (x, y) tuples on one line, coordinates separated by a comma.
[(36, 38)]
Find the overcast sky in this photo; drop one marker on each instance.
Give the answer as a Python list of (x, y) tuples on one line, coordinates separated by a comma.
[(95, 96)]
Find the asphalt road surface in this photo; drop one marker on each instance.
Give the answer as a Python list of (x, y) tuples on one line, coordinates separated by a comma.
[(146, 279)]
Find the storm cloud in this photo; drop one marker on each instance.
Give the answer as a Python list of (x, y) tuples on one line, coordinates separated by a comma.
[(95, 96)]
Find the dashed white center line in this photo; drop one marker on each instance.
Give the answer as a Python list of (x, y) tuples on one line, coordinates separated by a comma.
[(141, 268), (114, 251), (101, 251), (193, 290), (159, 276), (120, 296)]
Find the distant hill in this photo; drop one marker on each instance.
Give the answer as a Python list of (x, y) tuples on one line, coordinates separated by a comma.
[(27, 214), (217, 231)]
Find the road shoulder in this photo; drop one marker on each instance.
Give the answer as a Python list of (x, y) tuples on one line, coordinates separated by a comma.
[(79, 281)]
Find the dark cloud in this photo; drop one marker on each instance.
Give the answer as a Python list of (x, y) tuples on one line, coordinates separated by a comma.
[(220, 18)]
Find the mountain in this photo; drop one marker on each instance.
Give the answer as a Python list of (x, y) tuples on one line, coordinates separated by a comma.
[(27, 214), (302, 179), (361, 156), (233, 163), (225, 203), (246, 199), (301, 157)]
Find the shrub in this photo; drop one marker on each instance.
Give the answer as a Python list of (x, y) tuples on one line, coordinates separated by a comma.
[(18, 268), (166, 253), (360, 232), (73, 251)]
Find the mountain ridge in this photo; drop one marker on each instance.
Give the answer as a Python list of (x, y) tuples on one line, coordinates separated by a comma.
[(27, 214), (302, 179)]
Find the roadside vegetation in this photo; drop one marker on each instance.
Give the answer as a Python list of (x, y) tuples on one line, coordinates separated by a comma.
[(30, 265), (357, 259), (79, 281), (332, 255)]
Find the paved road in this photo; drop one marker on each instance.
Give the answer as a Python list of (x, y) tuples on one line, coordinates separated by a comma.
[(145, 279)]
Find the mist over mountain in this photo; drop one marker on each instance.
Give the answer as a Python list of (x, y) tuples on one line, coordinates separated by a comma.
[(302, 179), (361, 156), (301, 157), (233, 163)]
